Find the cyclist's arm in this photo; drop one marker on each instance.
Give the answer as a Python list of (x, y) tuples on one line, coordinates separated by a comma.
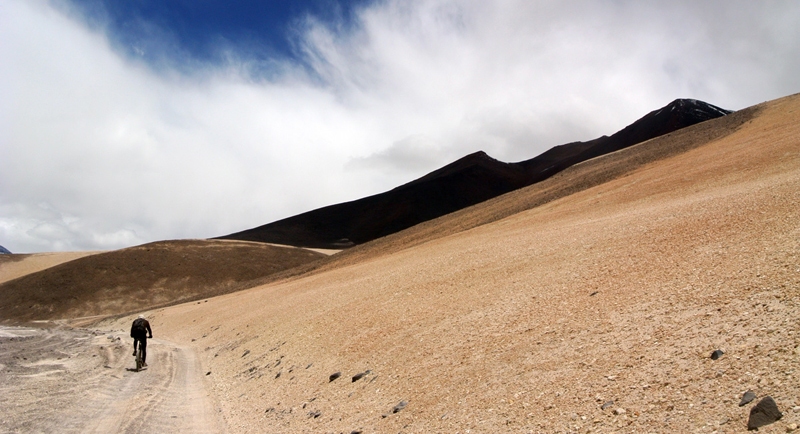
[(149, 330)]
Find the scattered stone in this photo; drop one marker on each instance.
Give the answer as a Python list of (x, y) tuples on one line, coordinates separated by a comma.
[(401, 405), (791, 427), (763, 413), (607, 405), (360, 375), (796, 409), (594, 293), (717, 354), (334, 376), (208, 373), (314, 414), (619, 411), (356, 431), (246, 352), (269, 410), (747, 398), (278, 375)]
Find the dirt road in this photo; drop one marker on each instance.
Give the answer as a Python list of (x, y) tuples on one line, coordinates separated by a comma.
[(63, 380)]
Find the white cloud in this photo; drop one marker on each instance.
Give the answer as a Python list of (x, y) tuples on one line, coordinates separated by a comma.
[(98, 150)]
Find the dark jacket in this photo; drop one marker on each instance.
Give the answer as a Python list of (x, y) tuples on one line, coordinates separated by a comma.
[(139, 328)]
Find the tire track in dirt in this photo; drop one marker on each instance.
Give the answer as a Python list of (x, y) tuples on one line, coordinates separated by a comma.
[(168, 396), (78, 381)]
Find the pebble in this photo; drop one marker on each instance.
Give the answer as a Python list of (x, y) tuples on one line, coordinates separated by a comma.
[(360, 375), (334, 376), (607, 405), (717, 354), (619, 411), (401, 405), (747, 398), (791, 427)]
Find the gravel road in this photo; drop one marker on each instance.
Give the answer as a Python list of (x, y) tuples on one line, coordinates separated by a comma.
[(66, 380)]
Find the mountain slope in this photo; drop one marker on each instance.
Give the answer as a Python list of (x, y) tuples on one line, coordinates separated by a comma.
[(17, 265), (465, 182), (143, 277), (561, 301)]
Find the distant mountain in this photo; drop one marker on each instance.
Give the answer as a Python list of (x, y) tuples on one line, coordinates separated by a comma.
[(470, 180), (4, 251)]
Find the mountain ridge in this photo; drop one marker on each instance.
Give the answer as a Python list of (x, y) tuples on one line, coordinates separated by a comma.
[(472, 179)]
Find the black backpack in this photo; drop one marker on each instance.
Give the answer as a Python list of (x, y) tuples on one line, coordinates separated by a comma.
[(138, 325)]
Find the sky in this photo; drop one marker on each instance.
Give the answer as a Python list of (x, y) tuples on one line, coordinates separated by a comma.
[(123, 123)]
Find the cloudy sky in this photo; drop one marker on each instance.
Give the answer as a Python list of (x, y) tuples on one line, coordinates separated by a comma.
[(128, 122)]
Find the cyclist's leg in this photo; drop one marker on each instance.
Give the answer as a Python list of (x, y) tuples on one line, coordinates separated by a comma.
[(143, 346), (134, 347)]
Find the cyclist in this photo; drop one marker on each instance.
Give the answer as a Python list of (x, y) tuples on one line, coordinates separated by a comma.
[(139, 330)]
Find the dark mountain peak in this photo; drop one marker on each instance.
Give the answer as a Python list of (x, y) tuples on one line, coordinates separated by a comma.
[(696, 104), (687, 108), (474, 160), (4, 251), (678, 114)]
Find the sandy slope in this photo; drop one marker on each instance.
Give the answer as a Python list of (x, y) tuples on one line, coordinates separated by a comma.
[(13, 266), (617, 293)]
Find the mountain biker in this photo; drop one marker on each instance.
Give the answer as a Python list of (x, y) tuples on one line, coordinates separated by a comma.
[(139, 330)]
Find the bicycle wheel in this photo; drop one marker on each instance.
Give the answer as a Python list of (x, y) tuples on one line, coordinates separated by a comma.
[(138, 360)]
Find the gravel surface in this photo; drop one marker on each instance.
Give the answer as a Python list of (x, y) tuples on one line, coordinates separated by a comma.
[(620, 292)]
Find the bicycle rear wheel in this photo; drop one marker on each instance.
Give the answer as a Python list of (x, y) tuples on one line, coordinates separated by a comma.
[(139, 360)]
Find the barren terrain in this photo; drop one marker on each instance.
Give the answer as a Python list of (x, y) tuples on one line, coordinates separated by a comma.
[(592, 309), (142, 277), (619, 292), (18, 265)]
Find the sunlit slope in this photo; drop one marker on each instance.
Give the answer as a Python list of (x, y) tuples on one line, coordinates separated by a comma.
[(616, 292), (18, 265), (144, 277)]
